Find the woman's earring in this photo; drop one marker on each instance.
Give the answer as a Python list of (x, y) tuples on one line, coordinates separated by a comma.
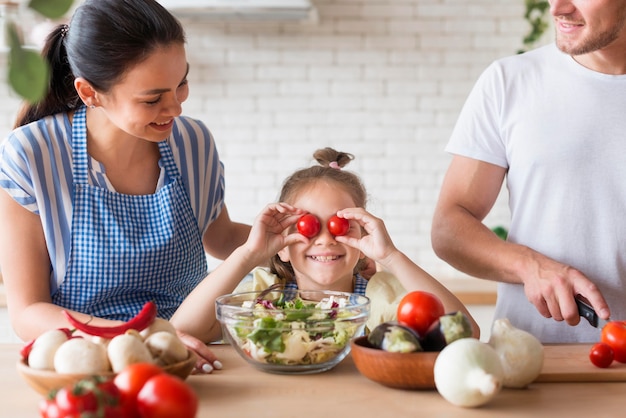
[(92, 106)]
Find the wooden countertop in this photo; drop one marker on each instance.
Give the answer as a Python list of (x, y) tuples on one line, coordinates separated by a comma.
[(239, 390), (470, 291)]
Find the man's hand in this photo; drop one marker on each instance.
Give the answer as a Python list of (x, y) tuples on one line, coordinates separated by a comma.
[(552, 287)]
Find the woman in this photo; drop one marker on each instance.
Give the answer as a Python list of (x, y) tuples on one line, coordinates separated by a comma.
[(108, 194)]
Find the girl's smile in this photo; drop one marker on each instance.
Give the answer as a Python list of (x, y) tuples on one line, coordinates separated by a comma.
[(325, 258)]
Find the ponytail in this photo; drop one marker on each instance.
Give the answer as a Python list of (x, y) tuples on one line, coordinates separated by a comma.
[(61, 95)]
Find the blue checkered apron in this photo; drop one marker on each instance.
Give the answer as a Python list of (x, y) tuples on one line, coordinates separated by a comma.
[(127, 249)]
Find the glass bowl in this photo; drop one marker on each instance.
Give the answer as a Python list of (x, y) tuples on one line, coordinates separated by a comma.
[(292, 331)]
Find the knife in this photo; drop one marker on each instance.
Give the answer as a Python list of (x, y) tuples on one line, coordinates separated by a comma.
[(586, 311)]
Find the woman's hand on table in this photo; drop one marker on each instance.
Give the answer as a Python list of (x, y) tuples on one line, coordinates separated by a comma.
[(206, 361)]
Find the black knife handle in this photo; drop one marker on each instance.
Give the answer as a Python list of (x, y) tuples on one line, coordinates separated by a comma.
[(586, 311)]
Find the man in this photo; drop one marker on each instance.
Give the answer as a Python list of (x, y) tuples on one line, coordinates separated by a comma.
[(550, 121)]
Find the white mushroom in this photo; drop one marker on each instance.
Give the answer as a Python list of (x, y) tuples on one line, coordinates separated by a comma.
[(80, 355), (99, 340), (166, 348), (126, 349), (159, 324), (41, 356)]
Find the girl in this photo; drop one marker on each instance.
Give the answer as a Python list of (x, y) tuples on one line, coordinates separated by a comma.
[(322, 262)]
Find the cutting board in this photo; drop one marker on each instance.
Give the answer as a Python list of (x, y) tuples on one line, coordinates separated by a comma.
[(570, 363)]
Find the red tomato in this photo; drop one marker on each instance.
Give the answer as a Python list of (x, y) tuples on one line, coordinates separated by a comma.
[(95, 396), (418, 310), (601, 355), (308, 225), (130, 381), (166, 396), (74, 400), (614, 334), (109, 389), (117, 406), (338, 226), (48, 408)]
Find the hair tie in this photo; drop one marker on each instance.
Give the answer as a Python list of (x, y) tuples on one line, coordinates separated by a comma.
[(64, 30), (333, 164)]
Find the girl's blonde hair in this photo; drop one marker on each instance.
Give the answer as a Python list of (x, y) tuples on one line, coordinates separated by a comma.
[(329, 170)]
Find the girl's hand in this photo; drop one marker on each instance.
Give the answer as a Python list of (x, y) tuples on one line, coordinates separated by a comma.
[(376, 242), (369, 268), (267, 235)]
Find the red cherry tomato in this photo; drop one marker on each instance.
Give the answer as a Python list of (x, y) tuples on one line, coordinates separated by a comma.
[(614, 334), (308, 225), (96, 396), (601, 355), (74, 400), (418, 310), (166, 396), (115, 407), (48, 408), (131, 379), (338, 226)]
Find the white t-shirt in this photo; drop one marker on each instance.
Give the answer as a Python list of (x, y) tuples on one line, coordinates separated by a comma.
[(560, 131)]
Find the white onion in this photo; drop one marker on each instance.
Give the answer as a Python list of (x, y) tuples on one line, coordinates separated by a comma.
[(520, 353), (468, 372)]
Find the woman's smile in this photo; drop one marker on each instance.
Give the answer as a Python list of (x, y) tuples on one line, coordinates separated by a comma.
[(164, 126)]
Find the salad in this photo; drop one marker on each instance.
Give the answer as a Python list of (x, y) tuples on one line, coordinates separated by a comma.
[(295, 331)]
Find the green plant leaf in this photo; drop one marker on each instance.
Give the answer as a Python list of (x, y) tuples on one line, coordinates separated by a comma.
[(536, 15), (53, 9), (28, 71), (500, 231)]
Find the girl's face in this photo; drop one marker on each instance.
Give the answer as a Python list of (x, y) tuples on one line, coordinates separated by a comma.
[(323, 263), (149, 95)]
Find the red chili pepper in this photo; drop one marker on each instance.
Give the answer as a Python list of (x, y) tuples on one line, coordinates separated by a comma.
[(142, 320), (26, 349), (68, 332)]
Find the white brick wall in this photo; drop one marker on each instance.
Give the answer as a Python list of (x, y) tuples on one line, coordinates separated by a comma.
[(382, 79)]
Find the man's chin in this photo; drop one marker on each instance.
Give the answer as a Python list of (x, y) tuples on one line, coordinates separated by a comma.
[(586, 45)]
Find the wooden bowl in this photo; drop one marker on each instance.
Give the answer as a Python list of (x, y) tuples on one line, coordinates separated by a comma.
[(44, 381), (394, 370)]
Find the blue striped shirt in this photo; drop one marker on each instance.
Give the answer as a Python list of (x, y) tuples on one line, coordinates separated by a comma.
[(36, 170)]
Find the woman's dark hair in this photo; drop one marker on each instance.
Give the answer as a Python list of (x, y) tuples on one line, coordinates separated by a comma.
[(104, 39), (329, 170)]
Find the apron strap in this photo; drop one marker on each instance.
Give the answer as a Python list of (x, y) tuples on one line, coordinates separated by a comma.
[(79, 146), (168, 160)]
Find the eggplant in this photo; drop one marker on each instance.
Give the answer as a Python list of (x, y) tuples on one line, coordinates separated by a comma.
[(394, 337), (448, 328)]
